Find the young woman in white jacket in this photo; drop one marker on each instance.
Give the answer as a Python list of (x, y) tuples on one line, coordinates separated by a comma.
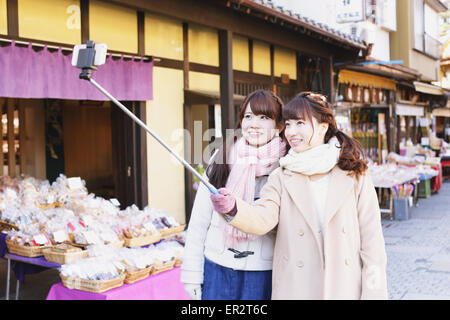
[(220, 262)]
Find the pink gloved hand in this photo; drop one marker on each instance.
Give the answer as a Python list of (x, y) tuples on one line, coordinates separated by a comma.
[(223, 202)]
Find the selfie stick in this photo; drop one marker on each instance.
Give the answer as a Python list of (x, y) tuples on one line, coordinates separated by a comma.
[(87, 66)]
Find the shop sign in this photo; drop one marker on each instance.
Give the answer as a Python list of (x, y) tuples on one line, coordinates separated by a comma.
[(349, 11), (408, 110)]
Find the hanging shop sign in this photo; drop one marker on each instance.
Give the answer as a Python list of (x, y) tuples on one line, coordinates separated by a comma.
[(409, 110), (441, 112)]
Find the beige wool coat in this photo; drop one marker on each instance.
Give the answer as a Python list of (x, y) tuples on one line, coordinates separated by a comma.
[(347, 260)]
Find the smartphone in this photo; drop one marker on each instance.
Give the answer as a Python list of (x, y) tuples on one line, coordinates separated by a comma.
[(81, 52)]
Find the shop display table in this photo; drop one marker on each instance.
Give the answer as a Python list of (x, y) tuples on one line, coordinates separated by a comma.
[(25, 266), (390, 209), (21, 265), (162, 286)]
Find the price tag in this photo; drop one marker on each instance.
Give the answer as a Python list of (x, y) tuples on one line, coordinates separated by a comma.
[(115, 202), (71, 227), (74, 183), (60, 236), (41, 239)]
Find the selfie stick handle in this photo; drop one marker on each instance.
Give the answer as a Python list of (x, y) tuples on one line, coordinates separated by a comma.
[(139, 122)]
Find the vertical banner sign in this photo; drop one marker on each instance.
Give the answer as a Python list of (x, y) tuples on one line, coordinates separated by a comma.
[(349, 11)]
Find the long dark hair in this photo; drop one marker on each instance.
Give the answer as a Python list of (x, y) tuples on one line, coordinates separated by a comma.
[(262, 102), (307, 105)]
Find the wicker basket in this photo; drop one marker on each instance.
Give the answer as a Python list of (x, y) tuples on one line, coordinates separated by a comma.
[(141, 241), (92, 285), (178, 262), (25, 251), (7, 225), (63, 258), (160, 267), (171, 231), (117, 244), (131, 277)]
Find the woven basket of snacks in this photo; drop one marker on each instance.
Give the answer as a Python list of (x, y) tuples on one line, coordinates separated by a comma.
[(178, 262), (160, 266), (64, 253), (142, 241), (92, 285), (4, 225), (171, 231), (25, 251), (136, 275)]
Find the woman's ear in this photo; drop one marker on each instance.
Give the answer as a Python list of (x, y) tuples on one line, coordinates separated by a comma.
[(323, 128)]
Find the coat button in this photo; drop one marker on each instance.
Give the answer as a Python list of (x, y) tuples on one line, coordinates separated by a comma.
[(347, 262), (344, 231), (301, 233), (299, 263)]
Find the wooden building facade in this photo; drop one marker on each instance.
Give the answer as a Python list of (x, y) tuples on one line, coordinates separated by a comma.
[(207, 56)]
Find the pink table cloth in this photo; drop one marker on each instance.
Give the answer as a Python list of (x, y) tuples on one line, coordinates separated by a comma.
[(163, 286)]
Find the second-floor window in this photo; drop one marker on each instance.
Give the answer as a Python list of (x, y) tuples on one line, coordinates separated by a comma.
[(426, 29)]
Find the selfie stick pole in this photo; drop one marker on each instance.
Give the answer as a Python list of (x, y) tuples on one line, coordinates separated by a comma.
[(139, 122)]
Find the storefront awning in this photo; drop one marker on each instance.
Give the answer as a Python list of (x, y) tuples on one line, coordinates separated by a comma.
[(428, 88), (26, 73), (365, 80), (409, 110), (441, 112)]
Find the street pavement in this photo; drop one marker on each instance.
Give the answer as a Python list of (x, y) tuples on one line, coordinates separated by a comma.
[(418, 252)]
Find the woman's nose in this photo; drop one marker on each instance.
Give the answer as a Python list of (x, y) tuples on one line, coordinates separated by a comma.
[(289, 132)]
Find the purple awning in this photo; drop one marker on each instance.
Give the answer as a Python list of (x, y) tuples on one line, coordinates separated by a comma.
[(25, 73)]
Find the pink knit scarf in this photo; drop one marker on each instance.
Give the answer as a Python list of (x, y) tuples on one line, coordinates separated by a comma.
[(247, 163)]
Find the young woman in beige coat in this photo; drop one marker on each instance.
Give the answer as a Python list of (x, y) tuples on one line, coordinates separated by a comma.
[(329, 242)]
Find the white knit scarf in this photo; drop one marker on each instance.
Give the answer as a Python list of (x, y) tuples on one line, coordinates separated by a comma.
[(319, 159)]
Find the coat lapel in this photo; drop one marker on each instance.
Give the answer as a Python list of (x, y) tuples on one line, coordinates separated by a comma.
[(297, 186), (340, 184)]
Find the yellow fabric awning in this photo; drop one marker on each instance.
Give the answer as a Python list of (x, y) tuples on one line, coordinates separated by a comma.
[(365, 80)]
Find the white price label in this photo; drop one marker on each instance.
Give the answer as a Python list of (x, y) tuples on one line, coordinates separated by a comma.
[(41, 239), (115, 202), (74, 183), (60, 236)]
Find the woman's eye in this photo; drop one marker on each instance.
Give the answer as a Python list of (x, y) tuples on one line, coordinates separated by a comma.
[(264, 117), (287, 124), (300, 122), (247, 116)]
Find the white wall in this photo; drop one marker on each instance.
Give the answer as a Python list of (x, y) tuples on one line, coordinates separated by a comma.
[(325, 11)]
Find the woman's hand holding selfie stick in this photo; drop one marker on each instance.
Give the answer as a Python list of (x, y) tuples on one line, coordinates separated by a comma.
[(224, 202)]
